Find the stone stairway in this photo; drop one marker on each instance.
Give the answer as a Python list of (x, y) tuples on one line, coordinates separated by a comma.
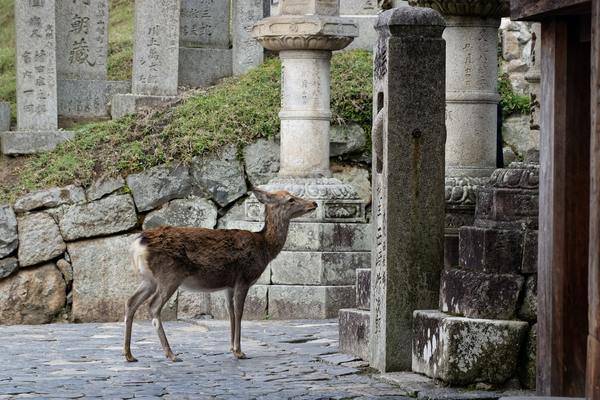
[(354, 322)]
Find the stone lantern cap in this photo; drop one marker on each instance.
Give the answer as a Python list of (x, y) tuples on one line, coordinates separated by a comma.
[(467, 8), (310, 7)]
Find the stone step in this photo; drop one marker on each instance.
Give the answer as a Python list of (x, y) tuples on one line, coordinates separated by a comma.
[(460, 351), (478, 295), (507, 208), (490, 250), (363, 289), (354, 332)]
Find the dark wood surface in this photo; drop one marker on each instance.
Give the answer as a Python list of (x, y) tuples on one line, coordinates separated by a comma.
[(564, 210), (536, 9)]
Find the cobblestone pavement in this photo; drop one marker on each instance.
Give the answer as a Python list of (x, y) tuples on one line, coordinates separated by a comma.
[(295, 360)]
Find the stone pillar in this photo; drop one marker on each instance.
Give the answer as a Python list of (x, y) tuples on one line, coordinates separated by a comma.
[(247, 52), (155, 58), (408, 179), (37, 121), (205, 54), (533, 78)]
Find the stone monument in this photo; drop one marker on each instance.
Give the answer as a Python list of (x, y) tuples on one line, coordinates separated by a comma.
[(155, 58), (81, 57), (533, 77), (37, 120), (205, 54), (472, 105), (247, 52)]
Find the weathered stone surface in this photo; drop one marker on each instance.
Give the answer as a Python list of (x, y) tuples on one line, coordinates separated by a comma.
[(158, 185), (125, 104), (305, 302), (66, 270), (478, 295), (221, 175), (32, 142), (103, 187), (8, 266), (530, 253), (354, 332), (33, 296), (516, 132), (192, 212), (367, 38), (204, 23), (527, 374), (4, 116), (262, 161), (363, 288), (49, 198), (490, 250), (39, 239), (528, 310), (346, 139), (507, 208), (247, 52), (88, 99), (303, 7), (201, 67), (103, 217), (103, 280), (8, 231), (318, 268), (358, 177), (235, 219), (194, 305), (462, 351), (328, 237)]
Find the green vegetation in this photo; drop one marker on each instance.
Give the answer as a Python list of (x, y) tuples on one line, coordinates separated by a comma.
[(511, 102)]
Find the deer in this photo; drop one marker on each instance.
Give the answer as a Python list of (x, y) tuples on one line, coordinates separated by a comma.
[(208, 260)]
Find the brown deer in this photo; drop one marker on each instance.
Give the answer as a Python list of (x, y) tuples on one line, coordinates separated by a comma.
[(208, 260)]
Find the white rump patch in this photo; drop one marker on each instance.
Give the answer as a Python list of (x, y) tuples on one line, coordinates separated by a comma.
[(139, 257)]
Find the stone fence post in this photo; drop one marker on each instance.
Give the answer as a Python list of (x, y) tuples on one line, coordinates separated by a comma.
[(409, 137)]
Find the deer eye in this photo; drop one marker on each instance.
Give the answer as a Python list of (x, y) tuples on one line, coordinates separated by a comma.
[(291, 200)]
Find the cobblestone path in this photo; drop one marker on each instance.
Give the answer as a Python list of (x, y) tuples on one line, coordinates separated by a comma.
[(287, 360)]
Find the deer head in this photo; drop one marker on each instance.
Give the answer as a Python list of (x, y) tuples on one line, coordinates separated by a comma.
[(285, 202)]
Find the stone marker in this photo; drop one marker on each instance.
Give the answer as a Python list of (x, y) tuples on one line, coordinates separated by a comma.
[(4, 116), (247, 52), (408, 179), (37, 120), (155, 59)]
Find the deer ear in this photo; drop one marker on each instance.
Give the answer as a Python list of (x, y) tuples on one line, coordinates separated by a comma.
[(262, 196)]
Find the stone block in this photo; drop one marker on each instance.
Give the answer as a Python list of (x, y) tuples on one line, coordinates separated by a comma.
[(103, 187), (507, 207), (158, 185), (31, 142), (220, 175), (309, 302), (367, 37), (311, 7), (527, 373), (478, 295), (363, 288), (193, 305), (33, 296), (88, 99), (346, 139), (156, 47), (8, 266), (82, 39), (190, 212), (247, 52), (9, 239), (204, 23), (354, 332), (234, 218), (262, 161), (125, 104), (66, 269), (201, 67), (103, 280), (359, 7), (461, 351), (528, 310), (328, 237), (530, 253), (4, 116), (490, 250), (50, 198), (317, 268), (358, 177), (106, 216), (39, 239)]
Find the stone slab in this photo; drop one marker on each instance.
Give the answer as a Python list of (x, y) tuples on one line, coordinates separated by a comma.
[(354, 332), (4, 116), (39, 239), (32, 142), (490, 250), (309, 7), (306, 302), (204, 23), (363, 289), (530, 253), (125, 104), (359, 7), (103, 187), (82, 39), (507, 207), (460, 351), (189, 212), (317, 268), (9, 239), (103, 280), (156, 47), (201, 67), (247, 52), (261, 159), (158, 185), (367, 35), (478, 295), (8, 266), (49, 198), (88, 98)]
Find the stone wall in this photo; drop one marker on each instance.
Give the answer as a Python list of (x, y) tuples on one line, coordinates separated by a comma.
[(64, 251)]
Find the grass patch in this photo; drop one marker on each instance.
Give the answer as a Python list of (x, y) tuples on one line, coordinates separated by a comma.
[(511, 102)]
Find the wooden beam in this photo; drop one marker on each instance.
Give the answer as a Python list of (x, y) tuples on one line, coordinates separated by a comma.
[(564, 210), (539, 9), (593, 362)]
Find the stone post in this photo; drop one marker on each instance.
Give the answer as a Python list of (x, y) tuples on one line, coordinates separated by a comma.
[(37, 120), (247, 52), (155, 59), (408, 179), (533, 78)]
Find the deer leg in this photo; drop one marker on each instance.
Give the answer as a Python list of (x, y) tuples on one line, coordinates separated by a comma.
[(231, 312), (239, 298), (142, 293), (159, 299)]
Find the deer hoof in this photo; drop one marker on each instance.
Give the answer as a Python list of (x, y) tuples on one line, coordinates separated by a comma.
[(239, 355), (130, 358), (174, 358)]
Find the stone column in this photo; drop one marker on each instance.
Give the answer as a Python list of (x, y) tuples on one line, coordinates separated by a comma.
[(533, 78), (247, 52), (408, 179), (205, 54), (37, 121), (155, 59)]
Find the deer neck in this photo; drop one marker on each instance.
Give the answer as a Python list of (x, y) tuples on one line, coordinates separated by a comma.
[(275, 231)]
